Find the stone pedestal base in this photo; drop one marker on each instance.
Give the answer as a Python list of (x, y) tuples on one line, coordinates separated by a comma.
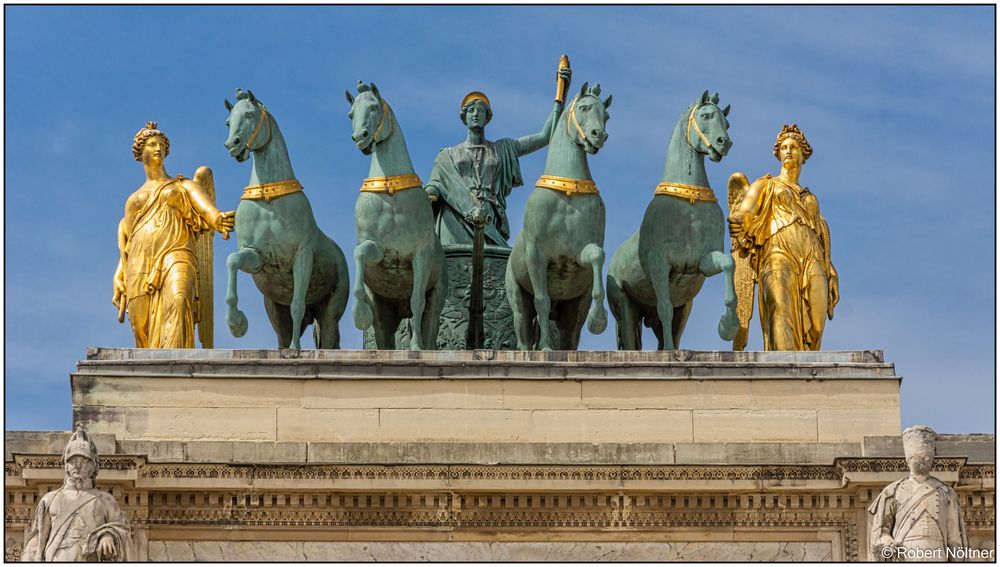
[(493, 455), (683, 398)]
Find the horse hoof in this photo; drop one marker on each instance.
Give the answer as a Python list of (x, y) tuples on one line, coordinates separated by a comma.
[(728, 326), (597, 322), (362, 315), (237, 323)]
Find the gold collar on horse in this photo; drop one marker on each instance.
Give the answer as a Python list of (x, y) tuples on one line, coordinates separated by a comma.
[(567, 185), (392, 184), (271, 191)]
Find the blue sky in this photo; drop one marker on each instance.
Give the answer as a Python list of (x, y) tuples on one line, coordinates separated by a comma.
[(897, 102)]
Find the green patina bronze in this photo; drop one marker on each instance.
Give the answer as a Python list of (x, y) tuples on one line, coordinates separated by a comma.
[(472, 181), (301, 272), (656, 273), (399, 263), (556, 263)]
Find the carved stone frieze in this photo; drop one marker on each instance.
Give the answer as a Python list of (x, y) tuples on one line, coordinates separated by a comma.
[(500, 497)]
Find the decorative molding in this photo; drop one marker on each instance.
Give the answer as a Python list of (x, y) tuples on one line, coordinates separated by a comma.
[(531, 496), (977, 472), (12, 550), (895, 464), (110, 462)]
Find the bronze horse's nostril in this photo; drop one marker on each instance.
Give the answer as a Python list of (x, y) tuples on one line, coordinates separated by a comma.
[(236, 142), (360, 136)]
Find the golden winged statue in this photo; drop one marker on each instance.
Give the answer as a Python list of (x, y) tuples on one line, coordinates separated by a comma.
[(744, 278), (781, 244), (164, 275)]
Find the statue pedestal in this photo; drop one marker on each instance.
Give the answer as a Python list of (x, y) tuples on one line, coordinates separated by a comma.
[(493, 455), (498, 319), (512, 397)]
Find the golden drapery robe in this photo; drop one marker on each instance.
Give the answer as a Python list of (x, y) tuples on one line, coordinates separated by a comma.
[(160, 267), (792, 265)]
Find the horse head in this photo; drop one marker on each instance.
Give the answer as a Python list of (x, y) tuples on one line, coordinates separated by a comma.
[(708, 127), (249, 126), (370, 117), (586, 118)]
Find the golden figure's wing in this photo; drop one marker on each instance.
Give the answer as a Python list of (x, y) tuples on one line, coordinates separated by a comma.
[(743, 279), (203, 256)]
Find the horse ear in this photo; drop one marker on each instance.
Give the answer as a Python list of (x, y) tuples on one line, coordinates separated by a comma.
[(596, 91), (350, 99), (725, 111), (583, 88), (607, 102), (240, 95), (229, 105), (375, 90), (250, 96), (704, 98), (715, 98)]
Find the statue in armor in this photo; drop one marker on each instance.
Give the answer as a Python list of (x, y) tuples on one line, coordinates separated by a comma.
[(79, 522)]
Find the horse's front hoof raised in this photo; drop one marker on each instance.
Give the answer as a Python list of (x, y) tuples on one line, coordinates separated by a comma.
[(597, 321), (728, 326), (362, 315), (237, 323)]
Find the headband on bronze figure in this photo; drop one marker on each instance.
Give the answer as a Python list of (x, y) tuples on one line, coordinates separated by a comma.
[(475, 95), (144, 134), (792, 131)]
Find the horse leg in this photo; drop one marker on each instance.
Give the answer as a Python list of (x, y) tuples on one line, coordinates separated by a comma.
[(432, 310), (680, 320), (658, 333), (248, 260), (281, 321), (301, 271), (537, 265), (711, 264), (365, 253), (418, 297), (592, 255), (570, 316), (659, 275), (386, 321), (520, 307), (624, 312), (326, 328)]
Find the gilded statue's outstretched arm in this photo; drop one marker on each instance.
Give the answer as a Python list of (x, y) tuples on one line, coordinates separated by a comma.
[(221, 221), (746, 208)]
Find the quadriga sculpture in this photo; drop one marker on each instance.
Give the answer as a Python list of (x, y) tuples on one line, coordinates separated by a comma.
[(556, 263), (399, 262), (301, 272), (656, 273)]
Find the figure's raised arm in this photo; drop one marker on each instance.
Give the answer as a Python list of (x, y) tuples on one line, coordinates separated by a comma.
[(533, 142)]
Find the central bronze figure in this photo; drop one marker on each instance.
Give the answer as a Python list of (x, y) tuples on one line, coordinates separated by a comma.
[(470, 183)]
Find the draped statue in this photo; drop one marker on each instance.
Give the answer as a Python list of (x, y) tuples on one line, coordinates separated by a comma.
[(776, 223), (164, 275)]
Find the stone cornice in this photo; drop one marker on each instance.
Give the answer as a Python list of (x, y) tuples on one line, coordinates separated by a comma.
[(137, 472)]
